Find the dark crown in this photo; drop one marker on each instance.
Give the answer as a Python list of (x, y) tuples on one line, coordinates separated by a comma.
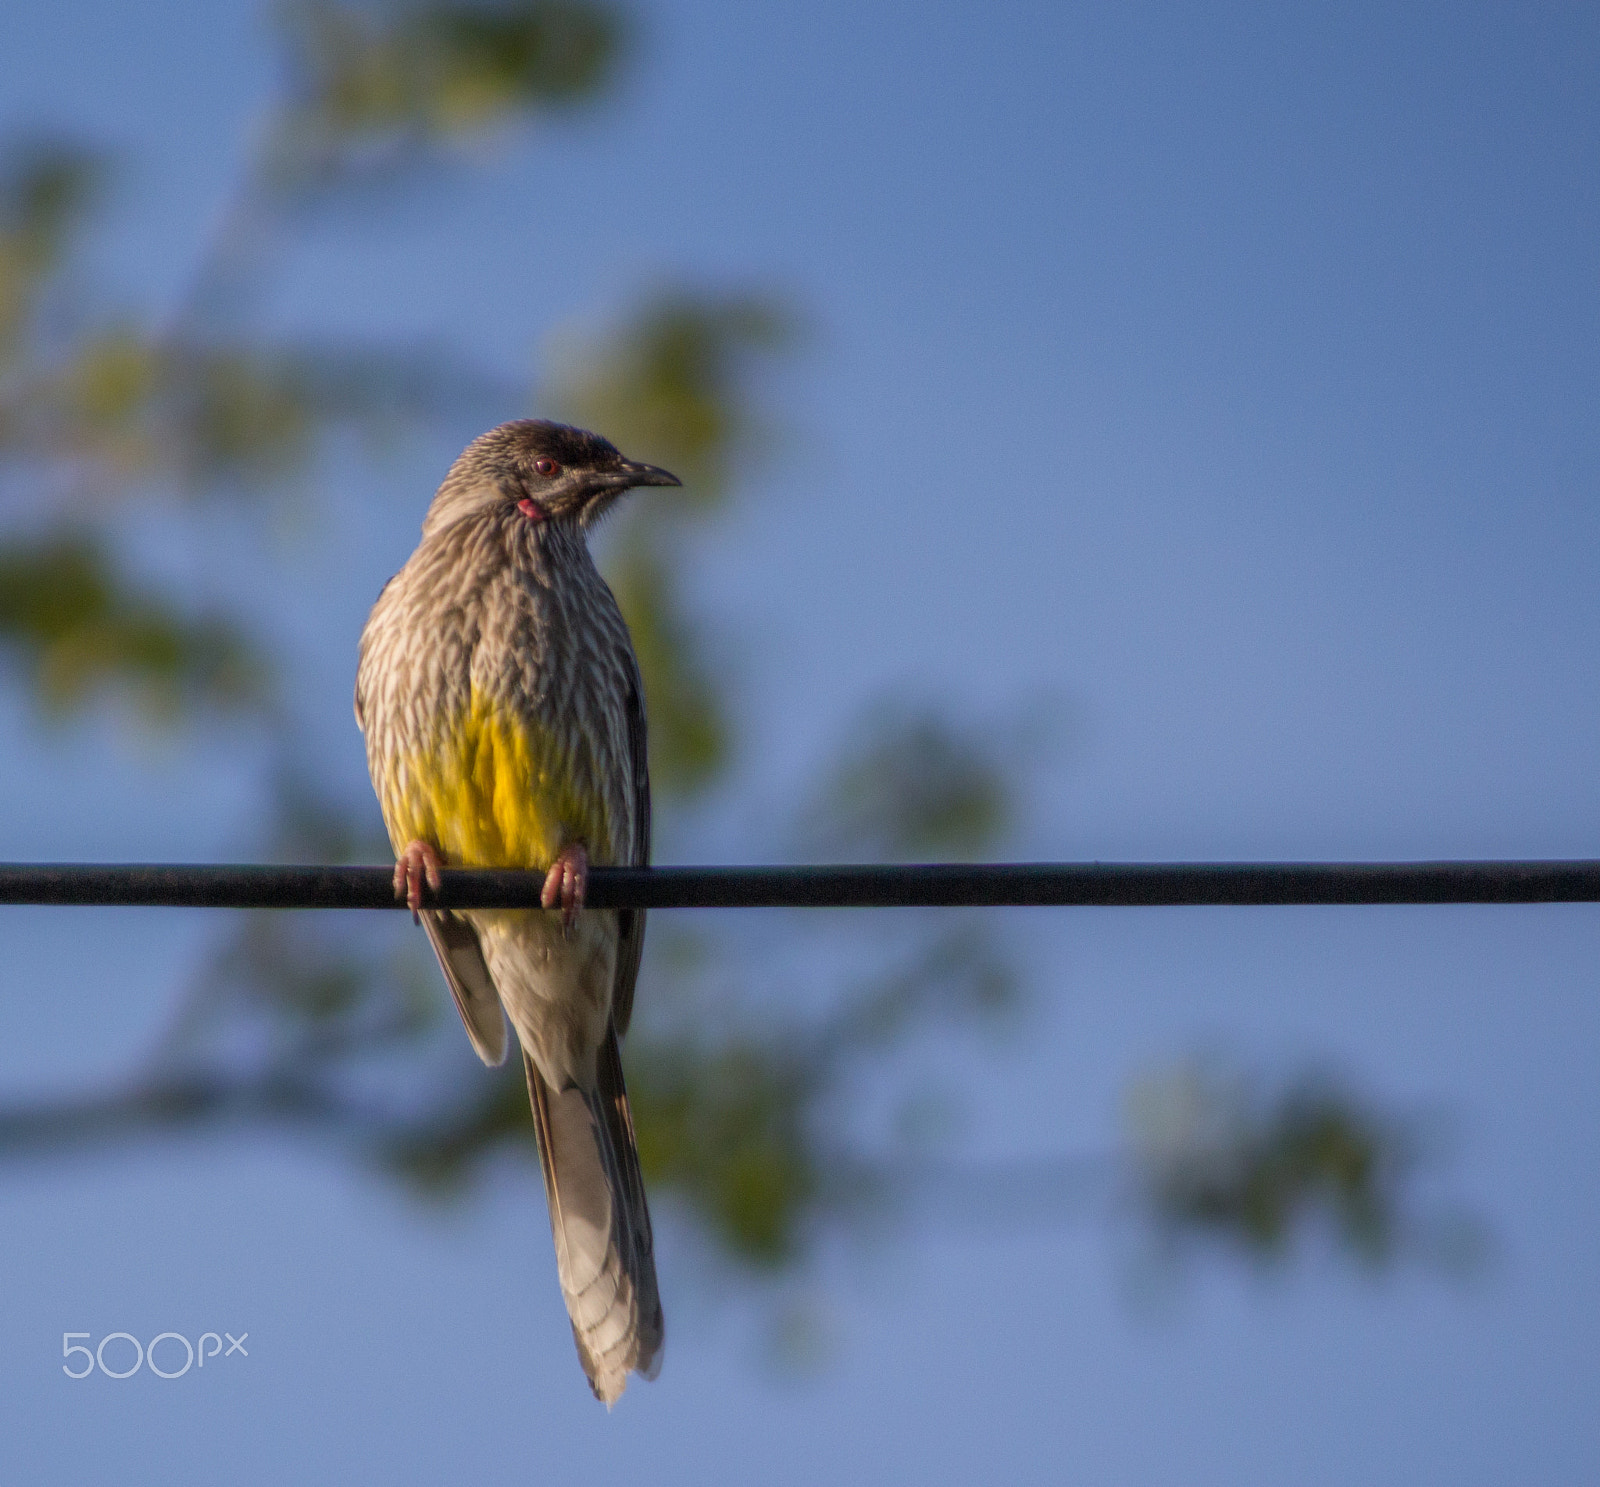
[(519, 443)]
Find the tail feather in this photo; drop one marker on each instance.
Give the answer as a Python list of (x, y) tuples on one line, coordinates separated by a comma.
[(630, 1182), (604, 1251)]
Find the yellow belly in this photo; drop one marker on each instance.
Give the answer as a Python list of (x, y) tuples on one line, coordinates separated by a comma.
[(493, 792)]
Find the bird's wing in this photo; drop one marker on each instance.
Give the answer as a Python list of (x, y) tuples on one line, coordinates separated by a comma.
[(630, 922), (455, 942), (359, 701)]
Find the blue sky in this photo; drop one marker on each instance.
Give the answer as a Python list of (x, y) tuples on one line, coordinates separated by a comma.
[(1228, 372)]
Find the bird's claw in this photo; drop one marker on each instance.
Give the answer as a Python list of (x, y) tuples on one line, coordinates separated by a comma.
[(418, 863), (565, 885)]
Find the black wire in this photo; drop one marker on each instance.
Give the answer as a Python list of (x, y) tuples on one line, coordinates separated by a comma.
[(182, 885)]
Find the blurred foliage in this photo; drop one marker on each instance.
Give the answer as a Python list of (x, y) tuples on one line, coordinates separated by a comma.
[(671, 387), (736, 1111), (912, 784), (205, 419), (44, 185), (291, 1003), (358, 74), (690, 738), (1218, 1160), (78, 630), (724, 1125), (749, 1119), (127, 409)]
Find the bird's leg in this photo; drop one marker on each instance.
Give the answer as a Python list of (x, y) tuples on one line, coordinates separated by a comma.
[(566, 883), (417, 862)]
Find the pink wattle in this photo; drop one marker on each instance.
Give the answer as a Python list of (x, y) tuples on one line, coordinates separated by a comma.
[(532, 509)]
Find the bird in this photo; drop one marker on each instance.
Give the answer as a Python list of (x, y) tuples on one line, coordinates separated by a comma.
[(503, 711)]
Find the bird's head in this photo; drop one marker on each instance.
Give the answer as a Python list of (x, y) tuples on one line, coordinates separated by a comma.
[(543, 471)]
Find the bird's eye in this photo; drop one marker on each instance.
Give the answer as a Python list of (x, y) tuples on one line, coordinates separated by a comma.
[(547, 467)]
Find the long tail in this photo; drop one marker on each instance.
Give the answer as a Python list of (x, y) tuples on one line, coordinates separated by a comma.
[(604, 1251)]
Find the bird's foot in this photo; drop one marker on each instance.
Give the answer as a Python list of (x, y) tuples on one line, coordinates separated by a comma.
[(566, 883), (419, 861)]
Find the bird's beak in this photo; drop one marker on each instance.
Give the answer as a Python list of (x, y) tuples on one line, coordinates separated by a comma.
[(637, 474)]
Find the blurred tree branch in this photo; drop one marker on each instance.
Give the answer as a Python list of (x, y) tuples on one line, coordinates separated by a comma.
[(745, 1116)]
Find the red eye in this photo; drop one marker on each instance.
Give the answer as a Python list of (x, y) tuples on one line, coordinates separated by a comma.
[(548, 468)]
